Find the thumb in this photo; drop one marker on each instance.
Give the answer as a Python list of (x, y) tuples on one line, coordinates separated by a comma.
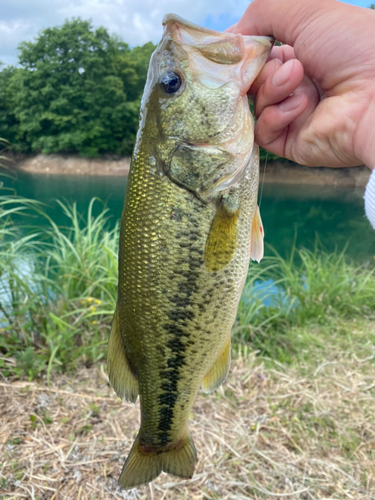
[(285, 20)]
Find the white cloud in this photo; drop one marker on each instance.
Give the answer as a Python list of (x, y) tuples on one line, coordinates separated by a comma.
[(136, 21)]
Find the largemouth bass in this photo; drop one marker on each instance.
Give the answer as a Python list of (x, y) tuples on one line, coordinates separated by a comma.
[(189, 226)]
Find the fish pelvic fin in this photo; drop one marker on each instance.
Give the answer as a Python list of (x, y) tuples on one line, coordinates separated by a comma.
[(142, 467), (218, 373), (257, 236), (221, 242), (121, 377)]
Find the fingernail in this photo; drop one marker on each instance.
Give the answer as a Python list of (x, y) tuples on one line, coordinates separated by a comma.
[(291, 103), (282, 75)]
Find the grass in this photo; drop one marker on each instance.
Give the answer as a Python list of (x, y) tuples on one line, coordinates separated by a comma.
[(58, 290), (290, 431), (309, 288), (5, 172), (295, 419)]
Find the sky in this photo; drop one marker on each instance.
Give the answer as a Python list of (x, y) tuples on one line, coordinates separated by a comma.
[(136, 21)]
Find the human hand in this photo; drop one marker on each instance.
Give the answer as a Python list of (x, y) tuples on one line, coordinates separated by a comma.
[(328, 65)]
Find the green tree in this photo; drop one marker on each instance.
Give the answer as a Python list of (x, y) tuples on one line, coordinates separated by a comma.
[(77, 91), (132, 67), (8, 121)]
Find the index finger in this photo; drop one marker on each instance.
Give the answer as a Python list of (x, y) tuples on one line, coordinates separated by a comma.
[(268, 69), (277, 56), (284, 53)]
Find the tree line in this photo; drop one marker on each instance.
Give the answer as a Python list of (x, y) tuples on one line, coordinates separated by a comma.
[(75, 89)]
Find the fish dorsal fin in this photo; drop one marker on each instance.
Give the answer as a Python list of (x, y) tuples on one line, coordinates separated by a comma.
[(221, 242), (257, 236), (121, 377), (218, 373)]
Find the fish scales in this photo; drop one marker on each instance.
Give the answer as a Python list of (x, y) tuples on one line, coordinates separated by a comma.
[(180, 281), (180, 304)]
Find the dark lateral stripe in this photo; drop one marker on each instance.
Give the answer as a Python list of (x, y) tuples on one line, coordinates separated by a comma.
[(170, 378), (179, 317)]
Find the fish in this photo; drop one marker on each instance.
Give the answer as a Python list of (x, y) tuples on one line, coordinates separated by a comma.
[(189, 226)]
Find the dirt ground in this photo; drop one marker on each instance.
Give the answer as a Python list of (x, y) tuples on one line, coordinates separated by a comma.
[(270, 433), (70, 165)]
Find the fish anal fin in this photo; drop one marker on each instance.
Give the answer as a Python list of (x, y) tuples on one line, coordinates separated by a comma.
[(142, 466), (257, 236), (221, 242), (218, 373), (121, 377)]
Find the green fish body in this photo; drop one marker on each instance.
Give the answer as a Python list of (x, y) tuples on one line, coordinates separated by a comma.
[(189, 225)]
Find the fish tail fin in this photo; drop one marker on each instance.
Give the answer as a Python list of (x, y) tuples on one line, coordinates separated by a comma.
[(181, 461), (140, 468), (143, 467)]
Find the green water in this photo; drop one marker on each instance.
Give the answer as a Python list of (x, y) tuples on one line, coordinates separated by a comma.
[(334, 216)]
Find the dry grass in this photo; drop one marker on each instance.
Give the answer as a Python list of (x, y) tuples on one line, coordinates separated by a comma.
[(300, 432)]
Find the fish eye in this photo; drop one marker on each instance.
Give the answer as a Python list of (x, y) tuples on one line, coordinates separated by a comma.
[(171, 82)]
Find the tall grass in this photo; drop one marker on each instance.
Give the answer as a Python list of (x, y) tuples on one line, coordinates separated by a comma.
[(5, 172), (306, 288), (58, 290)]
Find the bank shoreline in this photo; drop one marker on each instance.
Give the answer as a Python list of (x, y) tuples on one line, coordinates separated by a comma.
[(282, 172)]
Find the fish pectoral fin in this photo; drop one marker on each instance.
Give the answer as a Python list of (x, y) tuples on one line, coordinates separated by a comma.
[(257, 236), (218, 373), (121, 377), (221, 242), (141, 466)]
